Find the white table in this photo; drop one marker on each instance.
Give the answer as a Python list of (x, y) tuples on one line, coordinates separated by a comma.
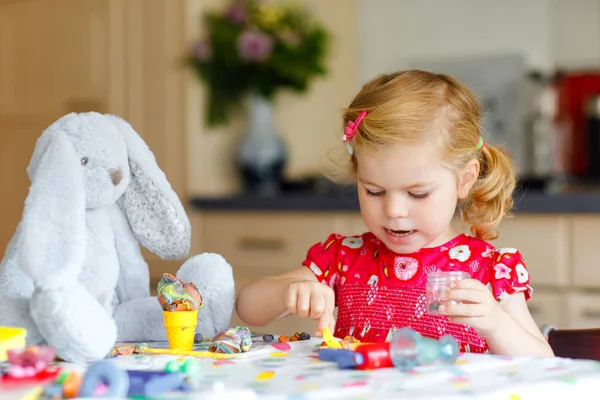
[(292, 371)]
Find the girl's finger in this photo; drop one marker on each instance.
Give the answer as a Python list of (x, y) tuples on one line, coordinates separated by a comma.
[(466, 284), (303, 304), (463, 295), (317, 306), (291, 300), (462, 310)]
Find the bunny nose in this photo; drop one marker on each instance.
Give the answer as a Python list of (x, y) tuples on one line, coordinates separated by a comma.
[(115, 176)]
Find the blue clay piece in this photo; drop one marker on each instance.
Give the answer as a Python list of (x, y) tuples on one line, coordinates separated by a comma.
[(268, 338), (105, 372), (198, 338)]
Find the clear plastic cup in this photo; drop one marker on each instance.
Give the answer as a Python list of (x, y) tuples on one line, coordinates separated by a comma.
[(437, 282)]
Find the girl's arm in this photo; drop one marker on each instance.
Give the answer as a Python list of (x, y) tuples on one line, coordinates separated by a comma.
[(518, 334), (264, 301)]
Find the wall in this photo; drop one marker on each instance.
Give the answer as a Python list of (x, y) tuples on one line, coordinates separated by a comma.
[(309, 123), (549, 33), (374, 36)]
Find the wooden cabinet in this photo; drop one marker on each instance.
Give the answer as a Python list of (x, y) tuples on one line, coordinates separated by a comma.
[(265, 244), (586, 251), (543, 240), (560, 252), (583, 310), (547, 307), (110, 56)]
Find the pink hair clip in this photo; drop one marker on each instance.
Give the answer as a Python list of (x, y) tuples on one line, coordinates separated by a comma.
[(350, 131)]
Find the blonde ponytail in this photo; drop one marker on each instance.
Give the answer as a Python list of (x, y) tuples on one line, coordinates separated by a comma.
[(491, 197)]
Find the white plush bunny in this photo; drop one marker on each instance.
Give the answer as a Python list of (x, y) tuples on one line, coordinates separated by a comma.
[(73, 274)]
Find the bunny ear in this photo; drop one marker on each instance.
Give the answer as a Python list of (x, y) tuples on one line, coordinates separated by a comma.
[(153, 209), (52, 237)]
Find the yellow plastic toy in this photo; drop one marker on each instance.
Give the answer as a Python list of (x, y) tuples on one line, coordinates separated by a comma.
[(180, 326), (11, 338), (330, 340)]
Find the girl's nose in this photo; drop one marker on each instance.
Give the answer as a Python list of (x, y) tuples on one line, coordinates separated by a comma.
[(395, 206)]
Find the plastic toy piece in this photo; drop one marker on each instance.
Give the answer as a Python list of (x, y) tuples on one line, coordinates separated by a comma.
[(121, 383), (364, 357), (408, 349), (108, 373), (28, 362), (330, 340), (152, 383), (373, 356), (44, 376), (345, 359), (205, 354), (11, 338)]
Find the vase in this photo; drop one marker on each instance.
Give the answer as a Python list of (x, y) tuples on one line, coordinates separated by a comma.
[(261, 154)]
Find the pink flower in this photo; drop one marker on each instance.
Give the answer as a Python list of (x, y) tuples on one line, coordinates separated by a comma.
[(405, 267), (254, 46), (502, 271), (237, 13), (201, 50)]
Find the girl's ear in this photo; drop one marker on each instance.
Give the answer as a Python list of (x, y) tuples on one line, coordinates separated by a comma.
[(467, 178)]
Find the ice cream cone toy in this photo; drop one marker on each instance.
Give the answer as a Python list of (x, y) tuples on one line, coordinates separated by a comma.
[(180, 302)]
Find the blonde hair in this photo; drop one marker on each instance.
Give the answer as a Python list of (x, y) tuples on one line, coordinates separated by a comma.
[(410, 107)]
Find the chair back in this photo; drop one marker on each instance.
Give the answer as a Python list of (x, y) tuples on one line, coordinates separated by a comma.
[(575, 343)]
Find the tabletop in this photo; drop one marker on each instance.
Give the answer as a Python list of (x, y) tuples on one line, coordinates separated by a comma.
[(292, 371)]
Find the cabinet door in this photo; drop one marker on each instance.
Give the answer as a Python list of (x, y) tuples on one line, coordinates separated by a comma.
[(586, 251), (547, 308), (266, 244), (61, 56), (285, 326), (583, 310), (52, 61), (544, 242), (265, 240)]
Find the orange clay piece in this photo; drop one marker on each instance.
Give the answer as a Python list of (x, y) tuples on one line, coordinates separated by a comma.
[(71, 385), (293, 339), (283, 338), (349, 341)]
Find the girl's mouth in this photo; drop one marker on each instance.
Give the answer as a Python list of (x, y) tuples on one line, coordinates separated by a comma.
[(399, 233)]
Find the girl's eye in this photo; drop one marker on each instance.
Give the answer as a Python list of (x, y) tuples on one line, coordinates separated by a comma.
[(419, 195), (374, 194), (84, 161)]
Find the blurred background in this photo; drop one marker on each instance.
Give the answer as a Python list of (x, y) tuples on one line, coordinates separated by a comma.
[(253, 183)]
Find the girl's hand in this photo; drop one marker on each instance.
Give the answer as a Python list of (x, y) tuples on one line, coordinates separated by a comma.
[(479, 309), (310, 299)]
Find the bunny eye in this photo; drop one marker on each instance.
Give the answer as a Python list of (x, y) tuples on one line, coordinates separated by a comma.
[(84, 161)]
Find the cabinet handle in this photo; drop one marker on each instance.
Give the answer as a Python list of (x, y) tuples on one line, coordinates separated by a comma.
[(591, 313), (254, 244)]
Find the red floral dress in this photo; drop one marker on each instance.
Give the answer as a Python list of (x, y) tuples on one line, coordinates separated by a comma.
[(378, 291)]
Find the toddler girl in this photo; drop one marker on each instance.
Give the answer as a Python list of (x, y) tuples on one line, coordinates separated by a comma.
[(417, 155)]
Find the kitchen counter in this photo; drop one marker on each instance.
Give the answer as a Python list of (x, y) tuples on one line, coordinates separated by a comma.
[(532, 202)]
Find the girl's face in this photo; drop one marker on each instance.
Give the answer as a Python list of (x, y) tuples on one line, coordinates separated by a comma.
[(407, 198)]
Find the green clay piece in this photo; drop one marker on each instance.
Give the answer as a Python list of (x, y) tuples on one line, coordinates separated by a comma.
[(62, 377), (173, 366), (191, 368)]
